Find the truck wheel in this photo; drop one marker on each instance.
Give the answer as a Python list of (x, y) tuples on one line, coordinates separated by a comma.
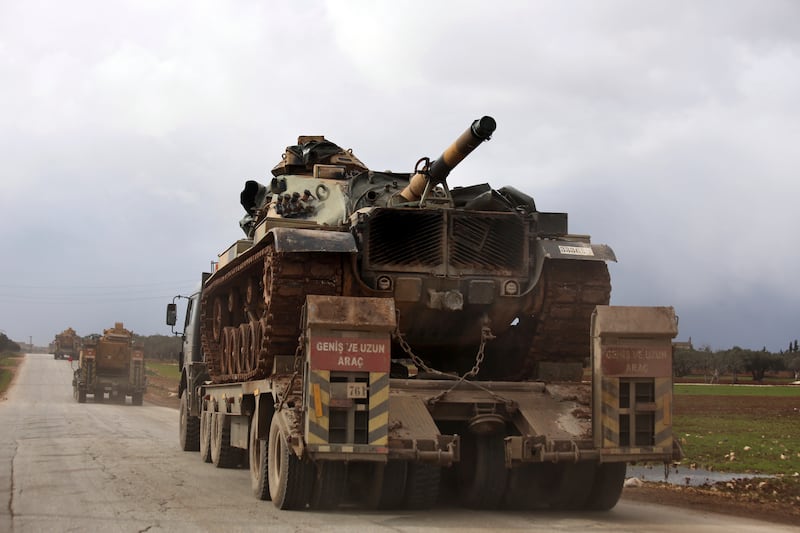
[(389, 485), (329, 485), (259, 474), (81, 396), (188, 427), (99, 395), (290, 478), (422, 485), (205, 436), (526, 489), (482, 472), (137, 398), (222, 455), (609, 478)]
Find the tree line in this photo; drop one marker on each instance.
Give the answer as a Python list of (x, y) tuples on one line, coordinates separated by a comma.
[(7, 345), (735, 362)]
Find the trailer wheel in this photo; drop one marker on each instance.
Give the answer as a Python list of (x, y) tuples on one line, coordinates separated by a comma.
[(81, 396), (422, 485), (330, 484), (482, 472), (388, 485), (290, 479), (222, 454), (137, 398), (205, 436), (99, 395), (259, 473), (526, 489), (609, 478), (573, 484), (188, 426)]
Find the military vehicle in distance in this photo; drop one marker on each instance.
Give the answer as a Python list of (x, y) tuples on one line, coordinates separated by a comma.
[(66, 345), (110, 363), (383, 336)]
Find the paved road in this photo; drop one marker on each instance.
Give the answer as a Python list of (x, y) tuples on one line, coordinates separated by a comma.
[(66, 466)]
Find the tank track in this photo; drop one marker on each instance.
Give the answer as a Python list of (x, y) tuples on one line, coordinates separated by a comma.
[(265, 293), (569, 292), (555, 328)]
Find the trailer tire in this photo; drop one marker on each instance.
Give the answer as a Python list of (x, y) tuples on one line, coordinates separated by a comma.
[(609, 478), (99, 395), (573, 485), (422, 485), (81, 396), (259, 471), (330, 484), (137, 398), (526, 490), (482, 472), (188, 426), (205, 436), (222, 454), (290, 478), (388, 485)]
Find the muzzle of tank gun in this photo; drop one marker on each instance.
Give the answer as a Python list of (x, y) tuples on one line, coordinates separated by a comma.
[(480, 130)]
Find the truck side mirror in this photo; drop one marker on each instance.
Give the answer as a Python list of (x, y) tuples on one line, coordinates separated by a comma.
[(172, 314)]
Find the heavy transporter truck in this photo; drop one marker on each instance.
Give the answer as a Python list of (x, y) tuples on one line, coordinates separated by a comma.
[(66, 345), (111, 364), (381, 338)]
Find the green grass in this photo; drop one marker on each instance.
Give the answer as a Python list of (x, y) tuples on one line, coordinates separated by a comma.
[(745, 430), (165, 370), (737, 390), (7, 360)]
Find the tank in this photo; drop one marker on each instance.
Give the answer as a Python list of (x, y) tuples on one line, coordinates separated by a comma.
[(486, 286), (66, 344)]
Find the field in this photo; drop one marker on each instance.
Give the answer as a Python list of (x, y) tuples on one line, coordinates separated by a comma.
[(752, 430), (8, 364)]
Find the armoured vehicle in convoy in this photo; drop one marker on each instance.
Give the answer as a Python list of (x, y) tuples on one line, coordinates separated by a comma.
[(66, 344), (110, 363), (382, 337)]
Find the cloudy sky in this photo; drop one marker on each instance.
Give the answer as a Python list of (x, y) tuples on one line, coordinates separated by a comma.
[(668, 130)]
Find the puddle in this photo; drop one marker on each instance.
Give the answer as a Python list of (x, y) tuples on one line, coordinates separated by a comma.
[(682, 475)]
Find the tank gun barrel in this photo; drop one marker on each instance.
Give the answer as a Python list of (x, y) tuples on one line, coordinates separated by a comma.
[(480, 130)]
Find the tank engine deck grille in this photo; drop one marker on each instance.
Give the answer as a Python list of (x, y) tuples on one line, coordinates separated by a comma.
[(402, 238), (445, 242), (485, 243)]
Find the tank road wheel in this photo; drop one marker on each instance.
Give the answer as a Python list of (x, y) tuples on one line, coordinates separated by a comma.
[(329, 485), (222, 454), (259, 473), (188, 426), (219, 318), (422, 485), (245, 345), (205, 436), (230, 337), (482, 471), (263, 357), (290, 479), (255, 344), (609, 479), (388, 485)]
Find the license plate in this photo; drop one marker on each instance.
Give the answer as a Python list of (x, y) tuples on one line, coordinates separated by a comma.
[(356, 390)]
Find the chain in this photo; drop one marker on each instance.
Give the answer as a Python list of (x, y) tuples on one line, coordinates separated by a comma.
[(486, 335), (298, 359)]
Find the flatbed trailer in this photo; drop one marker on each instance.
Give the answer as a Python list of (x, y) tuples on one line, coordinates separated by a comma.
[(330, 423)]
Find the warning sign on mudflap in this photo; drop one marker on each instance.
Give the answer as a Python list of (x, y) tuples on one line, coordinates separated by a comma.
[(637, 361), (350, 354)]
